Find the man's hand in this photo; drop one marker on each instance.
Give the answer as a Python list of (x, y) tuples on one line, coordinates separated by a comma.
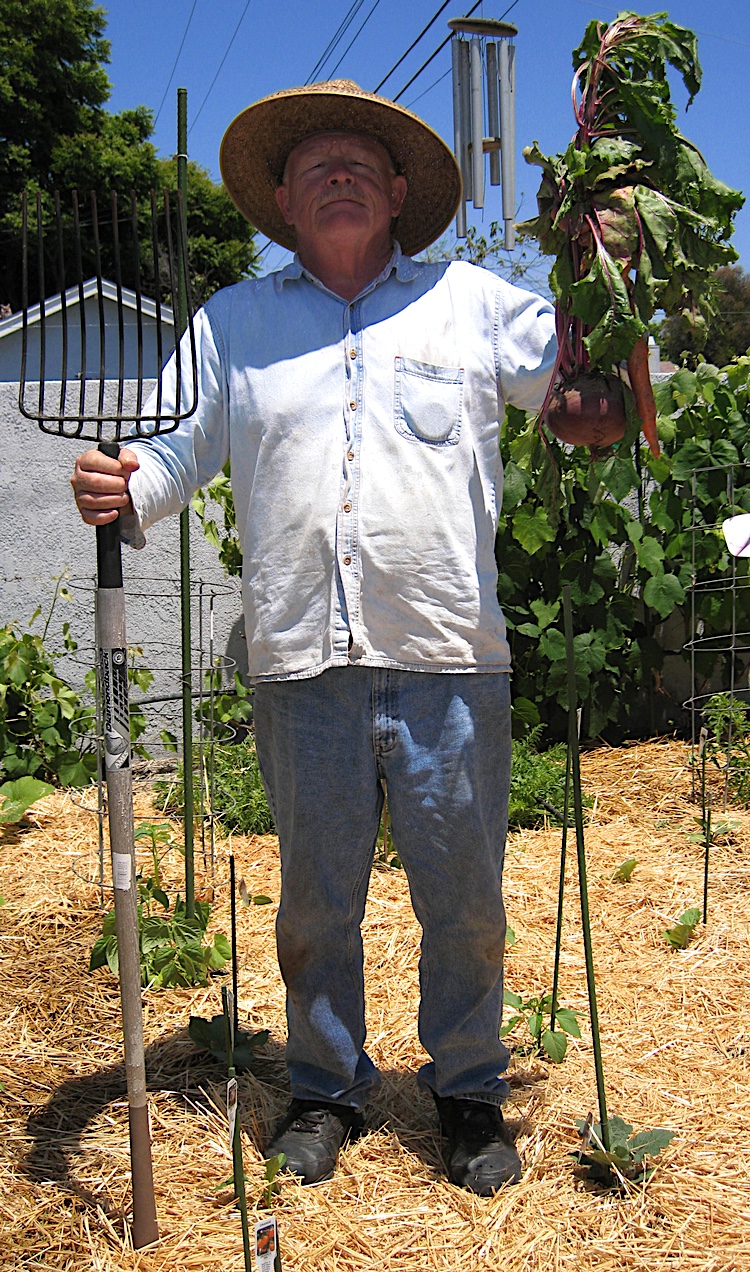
[(100, 485)]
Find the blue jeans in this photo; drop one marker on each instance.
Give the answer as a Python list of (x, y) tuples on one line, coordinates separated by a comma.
[(441, 744)]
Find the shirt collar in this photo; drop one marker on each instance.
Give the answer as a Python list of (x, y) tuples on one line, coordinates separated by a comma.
[(404, 268)]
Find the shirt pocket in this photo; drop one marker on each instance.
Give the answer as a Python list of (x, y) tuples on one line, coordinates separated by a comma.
[(427, 402)]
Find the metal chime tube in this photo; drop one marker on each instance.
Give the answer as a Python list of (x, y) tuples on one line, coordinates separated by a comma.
[(458, 135), (493, 111), (508, 133), (477, 125), (465, 88)]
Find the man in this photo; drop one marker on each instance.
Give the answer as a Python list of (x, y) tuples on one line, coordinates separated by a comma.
[(359, 395)]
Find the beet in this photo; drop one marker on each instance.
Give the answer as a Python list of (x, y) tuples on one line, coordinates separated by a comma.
[(588, 411)]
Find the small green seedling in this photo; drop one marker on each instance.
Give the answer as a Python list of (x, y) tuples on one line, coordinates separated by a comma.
[(625, 1163), (210, 1035), (273, 1166), (679, 935), (510, 938), (552, 1042), (171, 944), (710, 831), (18, 797), (624, 872)]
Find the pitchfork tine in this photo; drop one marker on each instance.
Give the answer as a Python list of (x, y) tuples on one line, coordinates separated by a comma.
[(81, 307), (120, 317), (63, 307), (100, 299), (138, 305), (42, 313)]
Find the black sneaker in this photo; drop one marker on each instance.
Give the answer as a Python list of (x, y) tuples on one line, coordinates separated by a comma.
[(310, 1136), (481, 1155)]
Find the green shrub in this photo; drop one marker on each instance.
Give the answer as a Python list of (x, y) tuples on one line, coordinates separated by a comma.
[(239, 798)]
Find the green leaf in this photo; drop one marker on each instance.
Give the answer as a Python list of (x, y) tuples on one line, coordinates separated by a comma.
[(566, 1019), (532, 529), (555, 1044), (650, 555), (552, 645), (19, 795), (545, 613), (514, 486), (662, 592), (623, 872), (512, 1000), (649, 1143)]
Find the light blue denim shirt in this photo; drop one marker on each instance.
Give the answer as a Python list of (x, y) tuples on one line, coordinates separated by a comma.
[(364, 441)]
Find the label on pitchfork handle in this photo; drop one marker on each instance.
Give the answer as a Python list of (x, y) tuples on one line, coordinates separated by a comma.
[(114, 688)]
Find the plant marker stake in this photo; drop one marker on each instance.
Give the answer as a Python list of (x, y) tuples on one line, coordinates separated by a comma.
[(238, 1168), (706, 819), (233, 903), (560, 896), (583, 886)]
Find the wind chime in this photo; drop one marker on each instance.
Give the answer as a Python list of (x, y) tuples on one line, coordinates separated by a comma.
[(484, 72)]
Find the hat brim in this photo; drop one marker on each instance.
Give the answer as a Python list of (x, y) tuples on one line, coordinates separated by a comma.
[(258, 142)]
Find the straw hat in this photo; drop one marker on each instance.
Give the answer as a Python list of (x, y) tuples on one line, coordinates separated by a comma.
[(258, 142)]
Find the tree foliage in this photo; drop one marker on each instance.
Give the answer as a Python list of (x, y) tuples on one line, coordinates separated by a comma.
[(728, 331), (56, 135)]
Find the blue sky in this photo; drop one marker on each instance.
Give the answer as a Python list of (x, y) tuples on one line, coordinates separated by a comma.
[(277, 44)]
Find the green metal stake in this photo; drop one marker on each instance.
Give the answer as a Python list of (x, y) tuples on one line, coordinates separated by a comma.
[(578, 813), (180, 314), (705, 820), (560, 897), (238, 1168)]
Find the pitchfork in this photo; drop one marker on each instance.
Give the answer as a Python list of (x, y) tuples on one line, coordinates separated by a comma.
[(91, 408)]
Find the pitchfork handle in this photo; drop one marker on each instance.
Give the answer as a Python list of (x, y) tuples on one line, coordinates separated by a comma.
[(108, 553)]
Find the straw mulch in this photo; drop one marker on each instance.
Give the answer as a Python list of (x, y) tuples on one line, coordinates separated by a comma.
[(676, 1042)]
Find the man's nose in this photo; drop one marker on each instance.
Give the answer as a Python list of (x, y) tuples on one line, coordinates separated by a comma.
[(340, 173)]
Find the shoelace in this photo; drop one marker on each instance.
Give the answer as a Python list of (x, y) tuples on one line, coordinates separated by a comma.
[(308, 1120)]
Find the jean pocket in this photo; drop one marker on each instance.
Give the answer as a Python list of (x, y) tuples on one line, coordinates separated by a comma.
[(428, 402)]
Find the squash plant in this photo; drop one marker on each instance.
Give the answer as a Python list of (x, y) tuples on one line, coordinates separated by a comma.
[(636, 221)]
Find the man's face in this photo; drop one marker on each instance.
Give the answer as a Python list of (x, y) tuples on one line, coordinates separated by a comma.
[(340, 187)]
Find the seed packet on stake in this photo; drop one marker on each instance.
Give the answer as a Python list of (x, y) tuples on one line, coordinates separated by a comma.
[(266, 1245), (231, 1108)]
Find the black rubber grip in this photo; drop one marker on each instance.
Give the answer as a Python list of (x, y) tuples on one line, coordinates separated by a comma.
[(108, 551)]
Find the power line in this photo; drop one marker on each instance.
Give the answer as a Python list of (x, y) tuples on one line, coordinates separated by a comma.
[(174, 67), (432, 56), (336, 38), (440, 47), (354, 38), (434, 84), (221, 63), (413, 44)]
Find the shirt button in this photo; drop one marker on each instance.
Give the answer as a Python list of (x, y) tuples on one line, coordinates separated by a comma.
[(347, 507), (347, 560), (352, 353), (350, 454), (353, 405)]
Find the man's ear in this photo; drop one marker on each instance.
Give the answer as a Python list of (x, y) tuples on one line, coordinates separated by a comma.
[(282, 198), (398, 194)]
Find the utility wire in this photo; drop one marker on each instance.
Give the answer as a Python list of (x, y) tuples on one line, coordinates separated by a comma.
[(440, 47), (424, 93), (174, 67), (413, 44), (221, 63), (335, 39), (354, 38)]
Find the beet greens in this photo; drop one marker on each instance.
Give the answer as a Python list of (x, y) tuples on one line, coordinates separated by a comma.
[(630, 210)]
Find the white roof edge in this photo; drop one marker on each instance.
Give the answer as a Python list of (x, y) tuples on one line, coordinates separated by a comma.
[(53, 305)]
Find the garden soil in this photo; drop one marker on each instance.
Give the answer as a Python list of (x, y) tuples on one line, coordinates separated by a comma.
[(675, 1030)]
